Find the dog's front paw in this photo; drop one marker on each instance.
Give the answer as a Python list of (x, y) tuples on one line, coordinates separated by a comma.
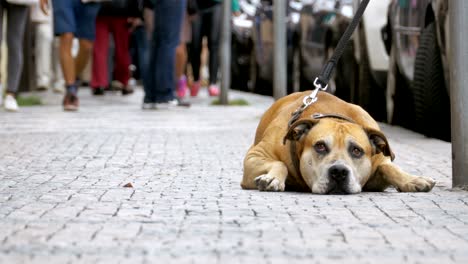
[(417, 184), (269, 183)]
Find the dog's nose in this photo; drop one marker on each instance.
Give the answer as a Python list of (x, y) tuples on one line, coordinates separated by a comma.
[(339, 173)]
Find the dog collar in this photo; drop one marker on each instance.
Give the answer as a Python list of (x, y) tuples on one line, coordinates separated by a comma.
[(320, 116)]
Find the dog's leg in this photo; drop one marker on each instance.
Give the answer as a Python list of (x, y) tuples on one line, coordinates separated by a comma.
[(388, 173), (263, 172)]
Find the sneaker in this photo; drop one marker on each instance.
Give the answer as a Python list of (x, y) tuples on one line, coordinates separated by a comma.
[(98, 90), (171, 104), (213, 90), (10, 103), (58, 88), (195, 88), (182, 87), (148, 106), (70, 102), (42, 84)]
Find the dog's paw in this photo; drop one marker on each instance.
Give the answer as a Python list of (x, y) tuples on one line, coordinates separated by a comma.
[(418, 184), (269, 183)]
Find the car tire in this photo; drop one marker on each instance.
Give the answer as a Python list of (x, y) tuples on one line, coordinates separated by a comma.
[(296, 73), (431, 100), (345, 74), (370, 95), (399, 99), (256, 83)]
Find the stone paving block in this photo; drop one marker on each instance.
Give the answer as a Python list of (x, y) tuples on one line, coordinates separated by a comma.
[(62, 198)]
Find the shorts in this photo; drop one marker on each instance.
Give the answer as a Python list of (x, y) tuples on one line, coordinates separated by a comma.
[(72, 16)]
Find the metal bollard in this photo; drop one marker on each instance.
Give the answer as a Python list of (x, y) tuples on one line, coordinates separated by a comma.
[(225, 53), (279, 49), (458, 12)]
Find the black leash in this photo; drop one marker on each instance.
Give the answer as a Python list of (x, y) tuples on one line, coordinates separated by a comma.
[(321, 82)]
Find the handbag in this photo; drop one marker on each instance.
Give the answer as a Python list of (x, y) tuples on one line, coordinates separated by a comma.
[(23, 2)]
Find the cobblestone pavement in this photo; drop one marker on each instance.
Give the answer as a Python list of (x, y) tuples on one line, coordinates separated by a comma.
[(62, 198)]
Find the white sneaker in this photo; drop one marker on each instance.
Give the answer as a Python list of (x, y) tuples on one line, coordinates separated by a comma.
[(166, 104), (58, 88), (10, 103), (42, 84)]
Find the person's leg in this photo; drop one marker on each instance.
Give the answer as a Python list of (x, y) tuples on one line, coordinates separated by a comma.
[(85, 31), (196, 47), (213, 47), (213, 42), (181, 59), (168, 19), (66, 59), (58, 82), (100, 52), (43, 53), (122, 55), (149, 80), (83, 56), (141, 46), (16, 26)]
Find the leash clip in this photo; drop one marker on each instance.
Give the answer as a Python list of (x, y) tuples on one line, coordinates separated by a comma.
[(312, 98)]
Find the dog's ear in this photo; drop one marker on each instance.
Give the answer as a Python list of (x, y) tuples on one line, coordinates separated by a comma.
[(379, 142), (298, 129)]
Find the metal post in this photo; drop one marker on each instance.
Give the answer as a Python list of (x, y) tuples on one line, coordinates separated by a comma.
[(458, 93), (279, 50), (225, 53)]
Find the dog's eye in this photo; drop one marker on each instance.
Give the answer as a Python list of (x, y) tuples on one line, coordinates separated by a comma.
[(320, 147), (356, 152)]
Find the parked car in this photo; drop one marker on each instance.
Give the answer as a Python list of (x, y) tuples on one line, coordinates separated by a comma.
[(418, 80), (372, 59), (321, 25), (261, 70)]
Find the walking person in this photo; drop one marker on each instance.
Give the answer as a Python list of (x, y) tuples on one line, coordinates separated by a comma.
[(118, 18), (47, 64), (73, 18), (159, 80), (17, 16), (207, 24)]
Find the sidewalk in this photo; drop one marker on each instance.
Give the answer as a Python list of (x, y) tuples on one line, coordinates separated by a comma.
[(62, 198)]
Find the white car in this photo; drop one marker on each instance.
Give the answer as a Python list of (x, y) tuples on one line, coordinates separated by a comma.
[(371, 58)]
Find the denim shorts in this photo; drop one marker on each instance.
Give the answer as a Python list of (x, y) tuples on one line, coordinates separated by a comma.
[(72, 16)]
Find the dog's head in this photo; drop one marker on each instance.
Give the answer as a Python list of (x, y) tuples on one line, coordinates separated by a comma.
[(335, 155)]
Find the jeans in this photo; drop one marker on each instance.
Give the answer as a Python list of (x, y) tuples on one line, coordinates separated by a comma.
[(160, 75), (138, 48)]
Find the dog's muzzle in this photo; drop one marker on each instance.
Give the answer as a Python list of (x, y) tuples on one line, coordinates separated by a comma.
[(338, 179)]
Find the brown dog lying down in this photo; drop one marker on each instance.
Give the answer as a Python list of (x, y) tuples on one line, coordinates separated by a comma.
[(334, 147)]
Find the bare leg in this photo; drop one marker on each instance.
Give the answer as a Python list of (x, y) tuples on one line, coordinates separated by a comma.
[(66, 58), (181, 60), (84, 54)]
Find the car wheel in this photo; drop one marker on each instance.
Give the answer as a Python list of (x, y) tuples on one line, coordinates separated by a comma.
[(431, 100), (399, 99), (370, 95)]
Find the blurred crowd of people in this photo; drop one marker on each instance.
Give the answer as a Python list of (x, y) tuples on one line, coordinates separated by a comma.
[(152, 41)]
